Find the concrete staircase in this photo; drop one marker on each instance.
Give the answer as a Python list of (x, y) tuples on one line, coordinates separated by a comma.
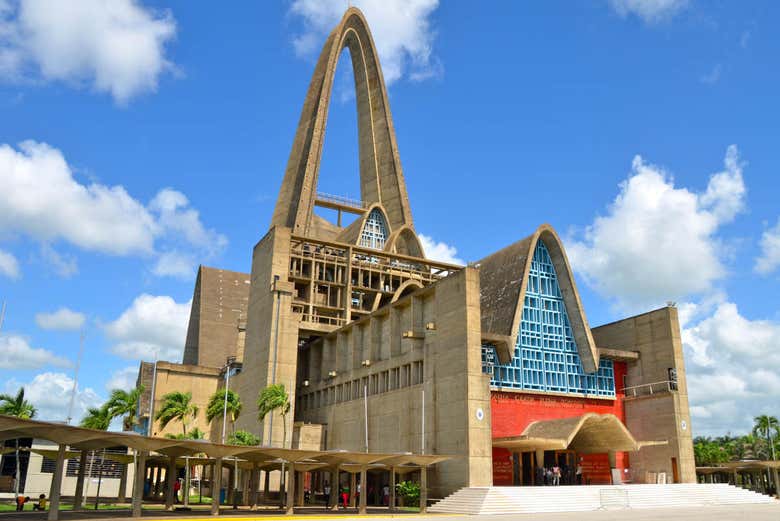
[(521, 500)]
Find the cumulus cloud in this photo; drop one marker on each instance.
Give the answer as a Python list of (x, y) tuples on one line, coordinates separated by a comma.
[(116, 46), (733, 366), (42, 199), (9, 266), (152, 327), (650, 11), (16, 353), (50, 393), (64, 265), (657, 241), (63, 319), (124, 378), (401, 29), (769, 260), (440, 251)]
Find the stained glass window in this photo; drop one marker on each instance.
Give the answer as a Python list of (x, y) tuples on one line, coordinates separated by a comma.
[(545, 356), (374, 231)]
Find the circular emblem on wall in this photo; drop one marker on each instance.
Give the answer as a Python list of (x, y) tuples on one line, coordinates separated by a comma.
[(480, 414), (683, 425)]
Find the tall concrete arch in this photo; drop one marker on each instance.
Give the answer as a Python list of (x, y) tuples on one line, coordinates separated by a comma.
[(381, 177)]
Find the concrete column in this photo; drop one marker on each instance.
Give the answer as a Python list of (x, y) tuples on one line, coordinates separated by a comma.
[(170, 475), (56, 485), (363, 499), (299, 489), (334, 488), (352, 489), (423, 489), (122, 494), (138, 482), (78, 499), (539, 458), (612, 464), (185, 490), (255, 479), (290, 510), (266, 485), (216, 486), (392, 502)]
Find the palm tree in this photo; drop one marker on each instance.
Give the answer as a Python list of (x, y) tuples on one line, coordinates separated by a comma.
[(243, 438), (125, 404), (270, 399), (98, 418), (177, 406), (764, 425), (19, 407), (216, 407), (194, 434)]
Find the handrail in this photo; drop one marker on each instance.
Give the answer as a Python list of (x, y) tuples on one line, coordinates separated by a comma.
[(340, 199), (648, 389)]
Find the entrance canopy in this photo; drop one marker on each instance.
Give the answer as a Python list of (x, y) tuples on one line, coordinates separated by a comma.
[(586, 434)]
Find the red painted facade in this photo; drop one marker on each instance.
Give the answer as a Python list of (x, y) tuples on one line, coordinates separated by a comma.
[(512, 412)]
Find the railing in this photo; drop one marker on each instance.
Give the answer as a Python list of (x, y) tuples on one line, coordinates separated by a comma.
[(341, 200), (651, 388)]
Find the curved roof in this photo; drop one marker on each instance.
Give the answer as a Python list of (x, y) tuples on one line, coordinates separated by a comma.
[(503, 279), (352, 233), (589, 433)]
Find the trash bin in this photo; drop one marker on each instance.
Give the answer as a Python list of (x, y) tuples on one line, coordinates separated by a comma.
[(222, 494)]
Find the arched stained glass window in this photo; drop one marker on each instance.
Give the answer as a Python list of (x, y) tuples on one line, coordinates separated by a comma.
[(545, 356), (374, 231)]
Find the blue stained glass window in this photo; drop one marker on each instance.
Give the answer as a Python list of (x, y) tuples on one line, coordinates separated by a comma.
[(546, 356), (374, 231)]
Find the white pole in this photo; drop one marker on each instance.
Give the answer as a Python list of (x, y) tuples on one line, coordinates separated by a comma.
[(224, 408), (75, 378), (365, 411), (423, 421), (151, 399), (273, 367)]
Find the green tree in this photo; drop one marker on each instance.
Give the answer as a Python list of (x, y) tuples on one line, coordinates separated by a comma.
[(124, 404), (19, 407), (177, 406), (216, 407), (98, 418), (240, 437), (274, 398), (767, 427), (193, 434)]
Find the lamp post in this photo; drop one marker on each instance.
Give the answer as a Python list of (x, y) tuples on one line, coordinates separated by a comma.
[(230, 361)]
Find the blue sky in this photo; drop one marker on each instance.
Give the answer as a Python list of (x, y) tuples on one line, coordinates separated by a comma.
[(138, 139)]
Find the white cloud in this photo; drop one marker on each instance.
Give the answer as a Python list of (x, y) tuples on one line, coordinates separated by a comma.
[(50, 393), (658, 242), (41, 198), (712, 77), (175, 264), (769, 260), (733, 366), (440, 251), (116, 46), (650, 11), (152, 327), (17, 354), (9, 266), (64, 265), (124, 378), (401, 29), (63, 319)]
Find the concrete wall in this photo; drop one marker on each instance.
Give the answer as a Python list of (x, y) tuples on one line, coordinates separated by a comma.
[(271, 256), (200, 381), (406, 361), (664, 414)]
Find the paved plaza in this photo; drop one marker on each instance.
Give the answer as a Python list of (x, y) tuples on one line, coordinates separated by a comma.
[(720, 513)]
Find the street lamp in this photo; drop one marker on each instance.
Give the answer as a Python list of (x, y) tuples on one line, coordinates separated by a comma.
[(230, 361)]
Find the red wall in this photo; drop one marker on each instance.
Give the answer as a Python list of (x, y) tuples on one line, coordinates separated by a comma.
[(511, 413)]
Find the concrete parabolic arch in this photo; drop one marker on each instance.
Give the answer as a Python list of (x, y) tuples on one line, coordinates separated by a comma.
[(381, 177)]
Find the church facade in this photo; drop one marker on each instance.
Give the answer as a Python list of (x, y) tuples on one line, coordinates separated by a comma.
[(384, 350)]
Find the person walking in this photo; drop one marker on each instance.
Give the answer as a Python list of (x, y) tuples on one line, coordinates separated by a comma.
[(326, 490), (176, 488), (579, 473), (556, 475)]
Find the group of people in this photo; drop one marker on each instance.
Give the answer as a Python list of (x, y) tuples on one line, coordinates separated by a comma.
[(556, 474), (344, 495), (40, 505)]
